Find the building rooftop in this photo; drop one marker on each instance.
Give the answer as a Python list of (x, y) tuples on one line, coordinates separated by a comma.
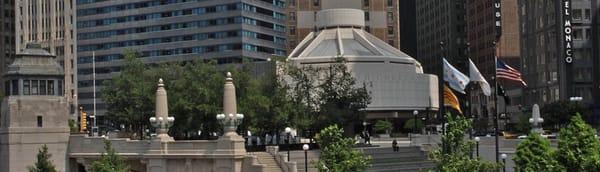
[(34, 60)]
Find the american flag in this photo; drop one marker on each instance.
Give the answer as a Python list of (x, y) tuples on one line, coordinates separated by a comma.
[(503, 71)]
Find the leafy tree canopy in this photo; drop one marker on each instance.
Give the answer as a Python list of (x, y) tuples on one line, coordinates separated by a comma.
[(557, 114), (456, 155), (43, 163), (109, 162), (337, 154), (535, 154), (578, 147)]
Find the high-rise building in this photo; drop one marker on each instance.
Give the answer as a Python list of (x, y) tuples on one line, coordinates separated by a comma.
[(408, 28), (175, 30), (481, 35), (49, 23), (381, 18), (558, 59), (440, 21)]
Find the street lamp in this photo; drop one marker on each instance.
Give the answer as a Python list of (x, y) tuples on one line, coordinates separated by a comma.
[(415, 113), (305, 147), (288, 130), (503, 156), (477, 145)]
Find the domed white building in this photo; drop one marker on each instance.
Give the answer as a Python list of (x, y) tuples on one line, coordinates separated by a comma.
[(396, 81)]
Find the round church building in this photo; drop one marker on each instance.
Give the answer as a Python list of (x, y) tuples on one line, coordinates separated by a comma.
[(395, 80)]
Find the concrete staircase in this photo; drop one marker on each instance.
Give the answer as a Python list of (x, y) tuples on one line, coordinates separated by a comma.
[(269, 160), (407, 159)]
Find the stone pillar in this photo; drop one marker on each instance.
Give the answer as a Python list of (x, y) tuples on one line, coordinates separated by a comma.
[(162, 121), (230, 144)]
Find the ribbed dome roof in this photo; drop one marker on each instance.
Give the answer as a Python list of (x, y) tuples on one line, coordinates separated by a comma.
[(347, 40)]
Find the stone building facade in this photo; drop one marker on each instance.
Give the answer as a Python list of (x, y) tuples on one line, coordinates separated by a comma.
[(49, 23), (34, 112)]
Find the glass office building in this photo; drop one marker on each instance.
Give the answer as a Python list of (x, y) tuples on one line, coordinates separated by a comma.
[(172, 30)]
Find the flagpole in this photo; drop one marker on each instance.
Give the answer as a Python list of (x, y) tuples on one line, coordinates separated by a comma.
[(468, 94), (441, 94), (497, 54)]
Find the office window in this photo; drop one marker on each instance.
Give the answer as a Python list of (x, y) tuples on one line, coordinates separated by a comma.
[(588, 33), (577, 35), (368, 29), (316, 2), (43, 87), (366, 3), (367, 16), (39, 121), (26, 84), (15, 87), (576, 14), (292, 31), (390, 3), (292, 15), (390, 16), (390, 30), (587, 15)]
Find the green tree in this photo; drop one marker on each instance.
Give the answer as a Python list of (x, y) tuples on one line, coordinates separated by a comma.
[(410, 124), (383, 126), (43, 163), (557, 114), (578, 146), (456, 155), (337, 154), (109, 162), (535, 154), (129, 96), (265, 102)]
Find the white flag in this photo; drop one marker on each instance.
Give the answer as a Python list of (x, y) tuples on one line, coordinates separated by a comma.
[(456, 80), (476, 77)]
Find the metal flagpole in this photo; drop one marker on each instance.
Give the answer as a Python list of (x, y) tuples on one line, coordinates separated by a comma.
[(441, 95), (498, 24), (95, 127), (496, 100)]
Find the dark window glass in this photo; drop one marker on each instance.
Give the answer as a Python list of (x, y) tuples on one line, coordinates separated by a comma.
[(15, 87), (43, 87), (26, 87), (34, 87), (50, 87), (7, 88), (39, 121)]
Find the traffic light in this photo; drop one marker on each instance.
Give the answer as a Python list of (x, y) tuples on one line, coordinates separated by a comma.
[(83, 124)]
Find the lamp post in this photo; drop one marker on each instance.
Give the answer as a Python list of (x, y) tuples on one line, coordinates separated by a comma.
[(423, 120), (415, 113), (288, 130), (477, 146), (503, 156), (305, 147)]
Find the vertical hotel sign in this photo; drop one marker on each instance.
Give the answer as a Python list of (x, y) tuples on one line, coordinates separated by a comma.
[(567, 30), (498, 17)]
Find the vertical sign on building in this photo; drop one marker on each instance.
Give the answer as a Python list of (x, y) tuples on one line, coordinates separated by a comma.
[(498, 17), (568, 41)]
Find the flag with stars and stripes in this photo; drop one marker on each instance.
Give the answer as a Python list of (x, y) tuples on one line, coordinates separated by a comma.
[(503, 71)]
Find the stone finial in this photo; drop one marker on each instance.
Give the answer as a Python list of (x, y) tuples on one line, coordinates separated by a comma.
[(161, 119), (230, 119), (536, 120)]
